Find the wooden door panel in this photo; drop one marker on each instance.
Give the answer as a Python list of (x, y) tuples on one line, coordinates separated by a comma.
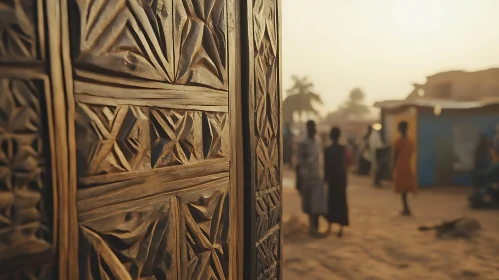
[(152, 139)]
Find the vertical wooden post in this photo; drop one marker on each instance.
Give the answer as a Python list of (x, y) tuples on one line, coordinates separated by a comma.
[(263, 141)]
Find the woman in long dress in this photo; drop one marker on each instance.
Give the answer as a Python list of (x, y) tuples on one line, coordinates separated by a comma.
[(336, 162), (402, 172)]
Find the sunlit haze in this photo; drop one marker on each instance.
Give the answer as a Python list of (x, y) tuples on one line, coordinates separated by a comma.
[(383, 46)]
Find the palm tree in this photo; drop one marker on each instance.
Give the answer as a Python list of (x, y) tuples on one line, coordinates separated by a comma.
[(300, 99), (355, 105)]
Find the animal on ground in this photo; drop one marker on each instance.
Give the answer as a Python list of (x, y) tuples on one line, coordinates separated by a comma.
[(462, 227)]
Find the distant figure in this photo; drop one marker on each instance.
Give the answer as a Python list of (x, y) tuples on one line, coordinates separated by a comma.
[(375, 143), (364, 165), (352, 144), (311, 185), (336, 161), (287, 145), (402, 171)]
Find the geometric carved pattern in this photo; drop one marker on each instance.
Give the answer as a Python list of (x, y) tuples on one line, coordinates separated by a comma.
[(122, 138), (176, 137), (201, 41), (146, 242), (138, 244), (267, 166), (127, 36), (268, 208), (25, 227), (204, 230), (268, 256), (41, 273), (266, 140), (112, 139), (216, 140), (18, 21), (142, 38)]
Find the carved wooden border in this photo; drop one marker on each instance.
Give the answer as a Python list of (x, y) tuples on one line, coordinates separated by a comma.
[(263, 148), (30, 65)]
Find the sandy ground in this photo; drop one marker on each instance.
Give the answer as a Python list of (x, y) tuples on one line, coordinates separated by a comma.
[(380, 244)]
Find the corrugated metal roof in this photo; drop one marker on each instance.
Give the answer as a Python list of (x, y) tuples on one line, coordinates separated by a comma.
[(432, 102)]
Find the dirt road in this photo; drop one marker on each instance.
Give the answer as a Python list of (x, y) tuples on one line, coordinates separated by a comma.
[(380, 244)]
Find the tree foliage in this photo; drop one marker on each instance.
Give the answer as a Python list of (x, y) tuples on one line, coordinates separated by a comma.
[(301, 99), (354, 106)]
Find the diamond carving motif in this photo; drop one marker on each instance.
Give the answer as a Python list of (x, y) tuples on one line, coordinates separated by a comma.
[(204, 226), (24, 221), (216, 139), (112, 139), (176, 137), (201, 40), (267, 165)]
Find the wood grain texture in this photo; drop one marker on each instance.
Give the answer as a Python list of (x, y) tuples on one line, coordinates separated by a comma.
[(63, 140), (152, 132), (200, 38), (180, 42), (136, 244), (125, 171), (216, 135), (42, 273), (179, 98), (127, 37), (26, 229), (204, 229), (19, 22), (124, 138), (264, 144), (112, 139), (182, 236), (176, 137), (123, 194)]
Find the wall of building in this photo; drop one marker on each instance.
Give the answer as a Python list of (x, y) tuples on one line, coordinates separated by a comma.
[(446, 146), (464, 85)]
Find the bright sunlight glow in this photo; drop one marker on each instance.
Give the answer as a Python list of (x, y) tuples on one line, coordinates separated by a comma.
[(383, 46)]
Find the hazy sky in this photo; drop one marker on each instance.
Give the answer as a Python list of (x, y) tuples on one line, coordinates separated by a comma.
[(383, 46)]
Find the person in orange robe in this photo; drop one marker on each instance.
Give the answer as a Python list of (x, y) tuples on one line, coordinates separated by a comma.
[(402, 172)]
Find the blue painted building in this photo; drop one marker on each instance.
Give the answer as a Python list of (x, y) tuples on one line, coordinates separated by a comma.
[(446, 133)]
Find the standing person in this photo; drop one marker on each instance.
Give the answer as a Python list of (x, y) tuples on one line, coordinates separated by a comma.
[(375, 143), (365, 157), (311, 183), (336, 161), (287, 145), (402, 171)]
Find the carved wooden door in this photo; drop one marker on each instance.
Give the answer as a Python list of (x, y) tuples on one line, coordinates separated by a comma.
[(140, 139)]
